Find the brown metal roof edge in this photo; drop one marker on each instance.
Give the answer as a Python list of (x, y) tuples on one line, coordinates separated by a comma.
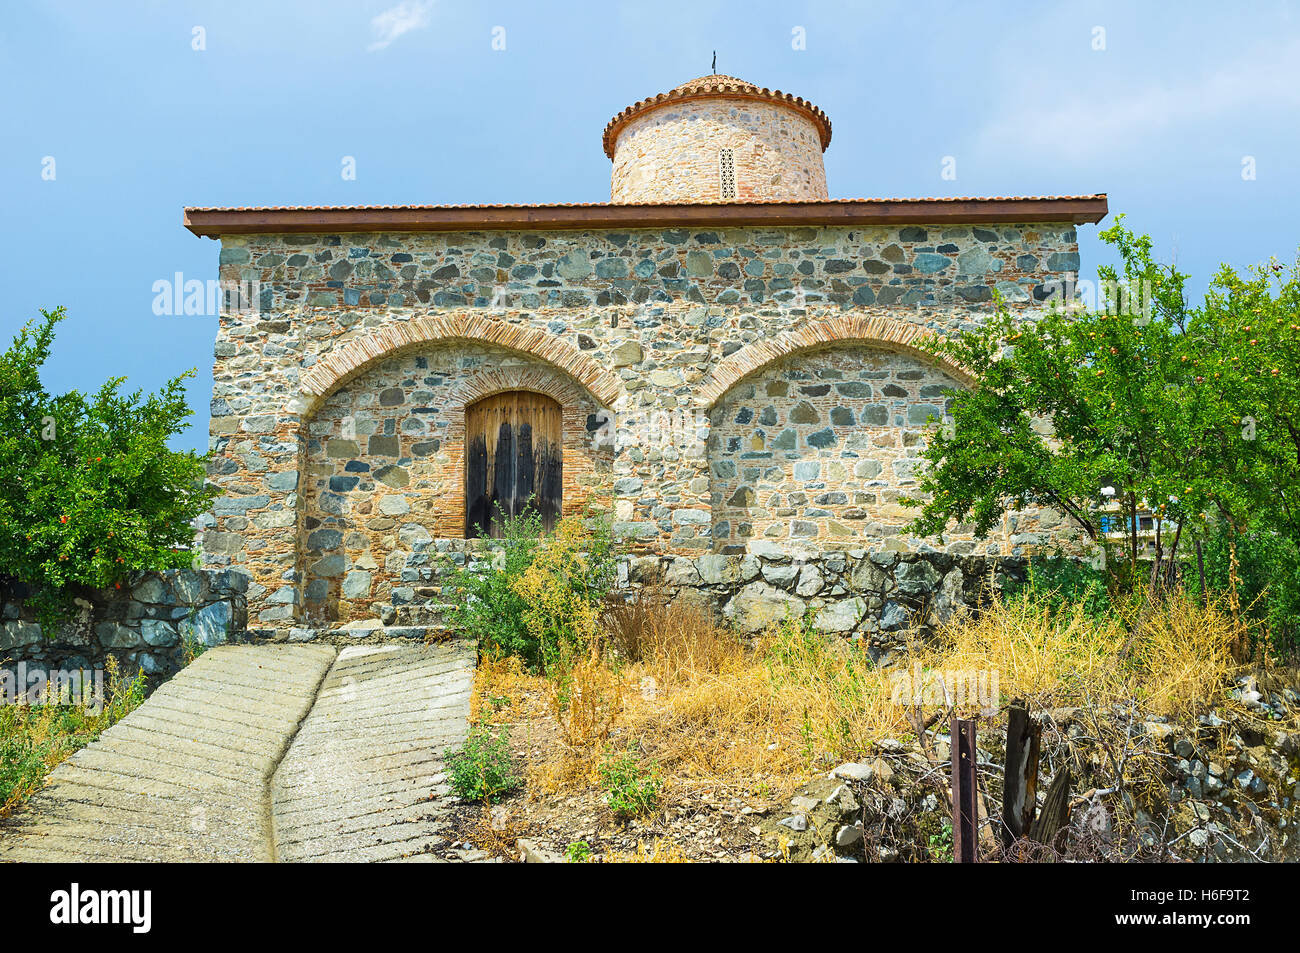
[(213, 222)]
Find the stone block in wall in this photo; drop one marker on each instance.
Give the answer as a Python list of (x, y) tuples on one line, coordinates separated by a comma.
[(841, 616), (159, 632), (949, 598), (150, 590), (682, 571), (187, 587), (646, 571), (212, 624), (760, 605), (719, 570), (117, 635), (916, 578), (781, 576), (15, 635)]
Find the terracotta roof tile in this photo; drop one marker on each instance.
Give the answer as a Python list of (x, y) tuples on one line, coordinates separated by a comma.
[(714, 86)]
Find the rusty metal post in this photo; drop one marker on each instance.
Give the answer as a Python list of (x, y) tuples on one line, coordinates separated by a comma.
[(965, 811)]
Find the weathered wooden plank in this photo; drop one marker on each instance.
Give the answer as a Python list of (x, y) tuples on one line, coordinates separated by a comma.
[(1055, 814), (520, 462), (525, 468), (550, 483), (503, 477), (477, 514), (1020, 780)]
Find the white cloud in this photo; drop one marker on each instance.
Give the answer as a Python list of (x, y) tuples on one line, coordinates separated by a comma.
[(406, 16), (1084, 125)]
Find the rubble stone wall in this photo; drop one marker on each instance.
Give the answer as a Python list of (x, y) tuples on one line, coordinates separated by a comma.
[(150, 624), (878, 597)]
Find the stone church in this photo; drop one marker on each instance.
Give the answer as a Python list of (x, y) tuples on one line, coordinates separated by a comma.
[(722, 357)]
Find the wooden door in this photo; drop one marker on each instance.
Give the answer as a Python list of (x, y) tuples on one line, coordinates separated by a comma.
[(512, 461)]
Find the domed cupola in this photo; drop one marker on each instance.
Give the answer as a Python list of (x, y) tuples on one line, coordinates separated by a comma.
[(718, 139)]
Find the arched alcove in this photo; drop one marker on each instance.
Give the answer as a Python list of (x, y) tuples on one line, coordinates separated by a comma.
[(383, 466), (821, 444)]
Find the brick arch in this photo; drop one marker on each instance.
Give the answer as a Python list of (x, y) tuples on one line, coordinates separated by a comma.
[(343, 364), (896, 335), (496, 380), (537, 379)]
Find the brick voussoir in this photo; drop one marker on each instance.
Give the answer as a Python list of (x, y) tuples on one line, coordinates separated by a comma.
[(338, 367)]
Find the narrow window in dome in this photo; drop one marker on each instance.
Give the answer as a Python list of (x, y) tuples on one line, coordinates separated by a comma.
[(727, 174)]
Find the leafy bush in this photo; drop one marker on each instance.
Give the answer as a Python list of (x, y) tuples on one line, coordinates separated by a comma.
[(578, 852), (1188, 412), (89, 490), (482, 769), (940, 844), (564, 588), (1120, 391), (1061, 583), (486, 605), (631, 788), (1268, 581), (540, 600)]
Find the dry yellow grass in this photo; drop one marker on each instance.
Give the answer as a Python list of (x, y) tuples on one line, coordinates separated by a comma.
[(504, 691), (705, 705), (1037, 654), (496, 832), (659, 852), (1173, 656), (1183, 655), (36, 739)]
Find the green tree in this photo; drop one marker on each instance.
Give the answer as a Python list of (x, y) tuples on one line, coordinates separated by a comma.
[(1248, 336), (89, 490), (1078, 410), (1192, 413), (538, 597)]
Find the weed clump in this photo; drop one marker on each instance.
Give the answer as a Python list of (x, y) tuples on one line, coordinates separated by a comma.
[(35, 739), (482, 768), (631, 787)]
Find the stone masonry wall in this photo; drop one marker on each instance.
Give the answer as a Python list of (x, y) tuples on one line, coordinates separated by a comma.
[(825, 444), (145, 624), (876, 597), (880, 597), (671, 154), (652, 327)]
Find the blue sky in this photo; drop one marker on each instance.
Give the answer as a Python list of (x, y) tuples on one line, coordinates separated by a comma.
[(139, 124)]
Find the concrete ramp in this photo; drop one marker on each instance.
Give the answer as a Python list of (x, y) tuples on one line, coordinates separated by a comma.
[(262, 753), (364, 780)]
